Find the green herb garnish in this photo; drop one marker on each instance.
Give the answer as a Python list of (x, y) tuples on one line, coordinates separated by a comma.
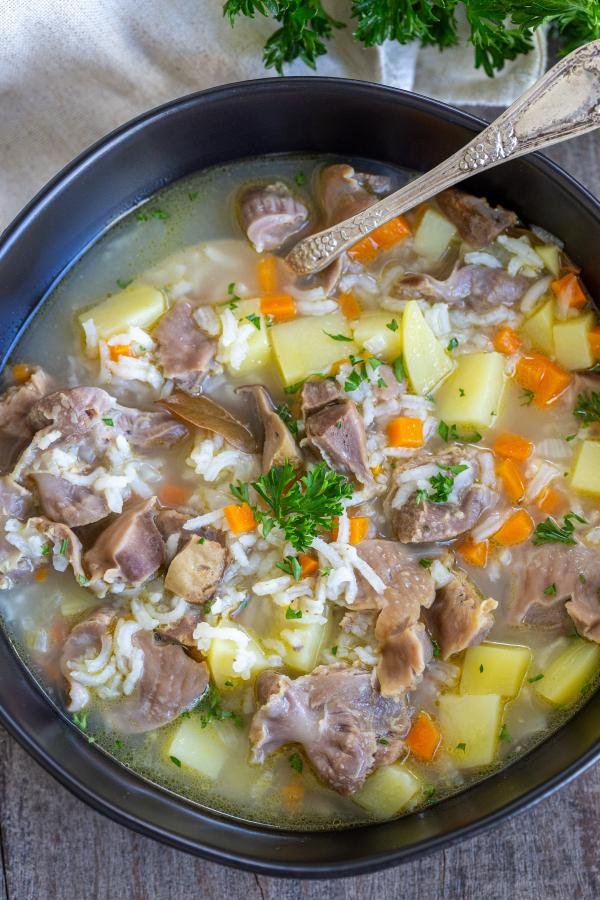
[(45, 550), (63, 547), (287, 417), (334, 650), (291, 566), (587, 407), (535, 678), (175, 761), (527, 397), (437, 652), (425, 562), (550, 531), (393, 325), (504, 735), (451, 433), (124, 282), (193, 195), (254, 320), (296, 763), (299, 178), (294, 388), (210, 707), (399, 368), (452, 344), (293, 613), (108, 421), (338, 337), (550, 590), (462, 746), (81, 719)]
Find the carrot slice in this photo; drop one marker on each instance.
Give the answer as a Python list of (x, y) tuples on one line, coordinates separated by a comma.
[(551, 501), (364, 251), (293, 793), (240, 517), (266, 273), (511, 478), (21, 372), (405, 431), (507, 341), (594, 341), (117, 350), (424, 737), (513, 446), (280, 307), (308, 564), (359, 529), (515, 530), (546, 380), (173, 495), (568, 290), (474, 553), (41, 574), (349, 305), (391, 233)]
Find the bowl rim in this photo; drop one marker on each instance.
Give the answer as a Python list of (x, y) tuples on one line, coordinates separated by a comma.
[(16, 720)]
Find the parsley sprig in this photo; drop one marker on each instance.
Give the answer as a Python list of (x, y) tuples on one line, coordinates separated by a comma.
[(210, 707), (549, 531), (499, 30), (587, 407), (300, 507)]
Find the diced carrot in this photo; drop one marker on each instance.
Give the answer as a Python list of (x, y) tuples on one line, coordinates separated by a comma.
[(359, 528), (513, 446), (240, 518), (266, 273), (515, 530), (364, 251), (511, 478), (405, 431), (293, 793), (424, 737), (308, 564), (173, 495), (568, 289), (551, 501), (336, 366), (474, 553), (21, 372), (391, 233), (280, 307), (349, 305), (594, 340), (546, 380), (41, 574), (117, 350), (507, 341)]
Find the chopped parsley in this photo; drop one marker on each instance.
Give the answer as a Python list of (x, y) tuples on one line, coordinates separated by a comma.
[(399, 368), (442, 485), (430, 792), (228, 683), (437, 652), (81, 720), (124, 282), (550, 531), (296, 763), (425, 562), (393, 325), (200, 540), (299, 178), (587, 407), (527, 397), (233, 297), (452, 344), (300, 507), (118, 743), (535, 678), (550, 590), (291, 566), (338, 337), (504, 735), (210, 707), (451, 433), (108, 421), (383, 741), (461, 392), (63, 547), (481, 668), (462, 746), (360, 372), (582, 579), (286, 416), (334, 650), (326, 571), (45, 549), (570, 437), (254, 320), (193, 195), (82, 580), (293, 613), (175, 761), (156, 213), (293, 388)]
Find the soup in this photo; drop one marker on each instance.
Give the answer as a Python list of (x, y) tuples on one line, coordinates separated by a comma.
[(318, 551)]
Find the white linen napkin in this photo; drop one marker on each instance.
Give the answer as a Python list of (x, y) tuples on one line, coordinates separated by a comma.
[(72, 70)]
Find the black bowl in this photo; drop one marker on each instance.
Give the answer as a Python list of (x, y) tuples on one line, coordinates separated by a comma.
[(319, 115)]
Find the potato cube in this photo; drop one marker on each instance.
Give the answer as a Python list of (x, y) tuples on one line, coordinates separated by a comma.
[(387, 791), (539, 328), (303, 346), (258, 354), (371, 332), (585, 477), (473, 392), (196, 570), (470, 725), (303, 641), (567, 676), (139, 305), (571, 345), (202, 749), (551, 256), (494, 669), (433, 235), (221, 657), (426, 360)]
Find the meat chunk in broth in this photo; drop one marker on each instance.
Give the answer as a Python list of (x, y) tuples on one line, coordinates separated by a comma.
[(461, 615), (196, 570), (419, 513), (270, 215), (17, 401), (130, 550), (473, 286), (73, 504), (344, 192), (478, 223), (337, 717), (184, 351), (278, 442)]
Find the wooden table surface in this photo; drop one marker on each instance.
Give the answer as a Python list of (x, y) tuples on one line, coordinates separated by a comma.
[(53, 846)]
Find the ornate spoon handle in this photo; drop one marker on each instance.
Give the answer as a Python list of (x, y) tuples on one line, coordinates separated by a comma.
[(565, 102)]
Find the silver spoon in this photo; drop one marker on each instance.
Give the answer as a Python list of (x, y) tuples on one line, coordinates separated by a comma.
[(565, 102)]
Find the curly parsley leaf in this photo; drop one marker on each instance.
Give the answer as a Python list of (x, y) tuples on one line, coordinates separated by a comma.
[(550, 531), (587, 407), (210, 707)]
